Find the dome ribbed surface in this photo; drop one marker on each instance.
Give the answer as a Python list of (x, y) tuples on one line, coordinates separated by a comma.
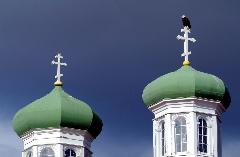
[(57, 109), (186, 82)]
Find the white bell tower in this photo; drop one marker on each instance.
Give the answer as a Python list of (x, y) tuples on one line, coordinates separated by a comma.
[(187, 105), (57, 124)]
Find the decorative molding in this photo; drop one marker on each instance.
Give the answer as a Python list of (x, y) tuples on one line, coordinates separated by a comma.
[(50, 130), (175, 116), (52, 136), (188, 102)]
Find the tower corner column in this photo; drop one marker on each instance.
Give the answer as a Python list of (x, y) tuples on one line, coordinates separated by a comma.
[(169, 142), (192, 134)]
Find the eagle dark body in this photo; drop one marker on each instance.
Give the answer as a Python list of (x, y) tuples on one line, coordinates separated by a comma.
[(186, 22)]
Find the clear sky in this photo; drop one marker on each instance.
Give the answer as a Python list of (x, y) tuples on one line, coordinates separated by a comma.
[(113, 48)]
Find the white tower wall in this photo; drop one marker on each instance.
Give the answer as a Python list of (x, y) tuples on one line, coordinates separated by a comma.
[(58, 140), (191, 109)]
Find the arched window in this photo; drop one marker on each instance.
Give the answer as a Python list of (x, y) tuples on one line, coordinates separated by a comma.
[(47, 152), (180, 135), (69, 153), (162, 138), (202, 135)]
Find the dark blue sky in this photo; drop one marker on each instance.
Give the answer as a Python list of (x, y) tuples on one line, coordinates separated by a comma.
[(113, 48)]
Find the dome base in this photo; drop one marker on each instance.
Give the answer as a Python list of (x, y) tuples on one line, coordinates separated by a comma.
[(186, 63), (58, 83)]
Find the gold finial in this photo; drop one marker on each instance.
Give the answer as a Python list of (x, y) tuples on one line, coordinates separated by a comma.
[(58, 83), (186, 62)]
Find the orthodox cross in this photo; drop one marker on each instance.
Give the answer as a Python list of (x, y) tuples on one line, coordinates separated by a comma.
[(59, 64), (186, 53)]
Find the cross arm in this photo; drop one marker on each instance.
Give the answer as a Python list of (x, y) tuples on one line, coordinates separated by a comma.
[(64, 64), (59, 75), (58, 56), (192, 39), (53, 62), (186, 53), (179, 37)]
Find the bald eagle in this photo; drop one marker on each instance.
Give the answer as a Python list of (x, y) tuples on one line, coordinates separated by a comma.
[(186, 22)]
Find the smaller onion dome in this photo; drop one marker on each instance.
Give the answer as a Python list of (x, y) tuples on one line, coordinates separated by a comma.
[(57, 109), (186, 82)]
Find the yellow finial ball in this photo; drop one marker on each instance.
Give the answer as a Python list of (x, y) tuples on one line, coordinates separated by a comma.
[(58, 83), (186, 63)]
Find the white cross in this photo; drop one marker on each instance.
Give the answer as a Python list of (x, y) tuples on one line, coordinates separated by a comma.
[(59, 64), (186, 53)]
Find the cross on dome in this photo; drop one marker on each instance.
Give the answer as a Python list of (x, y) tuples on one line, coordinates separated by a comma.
[(59, 64), (186, 53)]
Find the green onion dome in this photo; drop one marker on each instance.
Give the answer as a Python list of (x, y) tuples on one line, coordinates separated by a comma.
[(186, 82), (57, 109)]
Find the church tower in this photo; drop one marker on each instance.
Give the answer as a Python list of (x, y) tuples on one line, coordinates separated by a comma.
[(187, 105), (57, 125)]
